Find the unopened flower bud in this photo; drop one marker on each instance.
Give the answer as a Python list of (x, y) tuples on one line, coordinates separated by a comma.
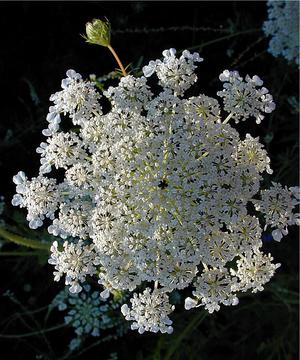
[(98, 32)]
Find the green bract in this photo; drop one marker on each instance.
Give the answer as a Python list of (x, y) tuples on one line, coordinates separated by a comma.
[(98, 32)]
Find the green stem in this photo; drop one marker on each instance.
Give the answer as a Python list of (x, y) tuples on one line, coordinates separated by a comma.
[(191, 326), (34, 244), (21, 253)]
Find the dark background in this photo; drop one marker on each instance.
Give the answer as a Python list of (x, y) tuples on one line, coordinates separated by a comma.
[(40, 41)]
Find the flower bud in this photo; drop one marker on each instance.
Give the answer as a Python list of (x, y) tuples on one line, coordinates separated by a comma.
[(98, 32)]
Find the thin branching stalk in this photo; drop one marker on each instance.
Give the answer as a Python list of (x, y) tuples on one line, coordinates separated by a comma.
[(34, 244)]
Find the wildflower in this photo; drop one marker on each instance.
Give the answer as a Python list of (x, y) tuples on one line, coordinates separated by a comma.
[(78, 98), (149, 311), (242, 98), (132, 94), (213, 287), (277, 205), (76, 261), (40, 196), (89, 314), (157, 190), (283, 27), (174, 73), (61, 150), (254, 271), (98, 32)]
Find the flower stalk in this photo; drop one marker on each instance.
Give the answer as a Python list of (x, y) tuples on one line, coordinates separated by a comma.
[(228, 118), (98, 32), (117, 60), (33, 244)]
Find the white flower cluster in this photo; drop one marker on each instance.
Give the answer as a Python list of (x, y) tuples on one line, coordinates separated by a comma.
[(277, 204), (175, 74), (39, 196), (157, 190), (76, 261), (149, 311), (283, 26), (89, 314), (254, 271), (243, 98)]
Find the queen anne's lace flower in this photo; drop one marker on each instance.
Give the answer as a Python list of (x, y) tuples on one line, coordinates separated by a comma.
[(76, 261), (244, 99), (79, 176), (157, 190), (72, 220), (217, 248), (246, 234), (61, 150), (283, 27), (207, 108), (215, 286), (174, 73), (40, 196), (88, 313), (149, 311), (253, 271), (78, 98), (277, 205), (132, 94)]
